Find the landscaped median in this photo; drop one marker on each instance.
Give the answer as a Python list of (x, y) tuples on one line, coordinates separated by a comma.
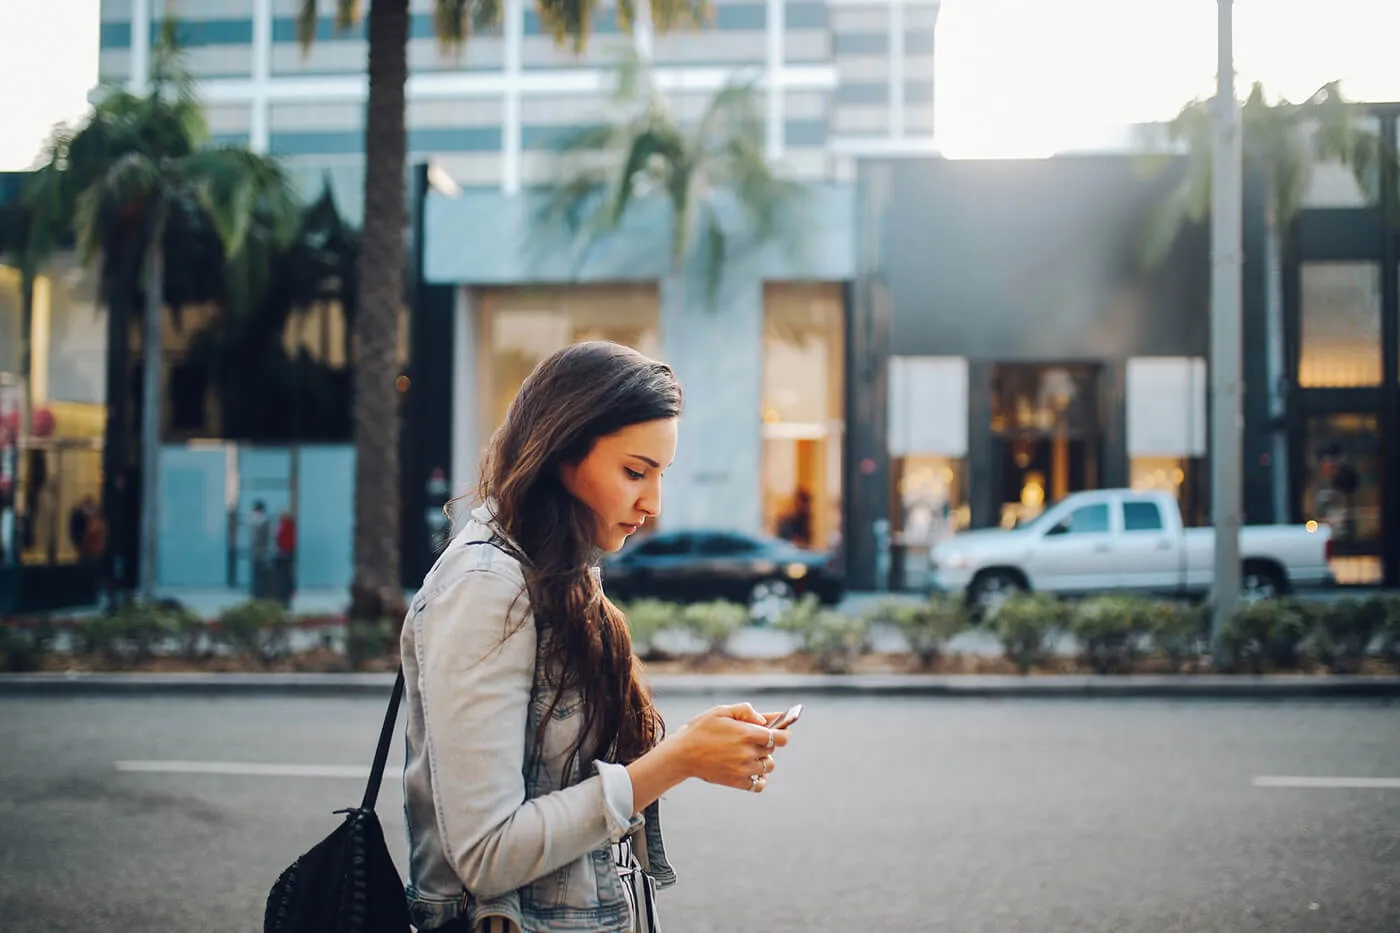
[(1097, 645)]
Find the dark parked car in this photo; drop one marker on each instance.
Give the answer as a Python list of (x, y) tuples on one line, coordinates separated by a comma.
[(767, 574)]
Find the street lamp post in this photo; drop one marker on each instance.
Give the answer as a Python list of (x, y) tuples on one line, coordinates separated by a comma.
[(1226, 449)]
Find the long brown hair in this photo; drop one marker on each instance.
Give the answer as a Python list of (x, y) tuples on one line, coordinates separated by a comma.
[(580, 394)]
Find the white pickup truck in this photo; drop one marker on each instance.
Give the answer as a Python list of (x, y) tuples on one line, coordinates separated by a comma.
[(1122, 540)]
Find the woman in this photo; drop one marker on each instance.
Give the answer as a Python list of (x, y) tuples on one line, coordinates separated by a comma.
[(535, 754)]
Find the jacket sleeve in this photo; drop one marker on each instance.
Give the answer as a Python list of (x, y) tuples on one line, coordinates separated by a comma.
[(476, 670)]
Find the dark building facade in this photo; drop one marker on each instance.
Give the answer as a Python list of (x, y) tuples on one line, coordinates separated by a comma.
[(1342, 335), (1018, 349)]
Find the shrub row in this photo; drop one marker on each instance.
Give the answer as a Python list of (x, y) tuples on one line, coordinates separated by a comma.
[(1114, 632), (257, 632), (1111, 634)]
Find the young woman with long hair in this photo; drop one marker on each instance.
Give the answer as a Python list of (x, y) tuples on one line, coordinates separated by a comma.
[(536, 757)]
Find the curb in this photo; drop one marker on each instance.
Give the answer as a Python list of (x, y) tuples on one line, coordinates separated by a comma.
[(735, 686)]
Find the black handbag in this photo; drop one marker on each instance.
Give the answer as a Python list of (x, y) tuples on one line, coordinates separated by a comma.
[(347, 883)]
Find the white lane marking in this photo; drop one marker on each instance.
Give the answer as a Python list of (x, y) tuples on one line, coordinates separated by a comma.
[(245, 769), (1330, 783)]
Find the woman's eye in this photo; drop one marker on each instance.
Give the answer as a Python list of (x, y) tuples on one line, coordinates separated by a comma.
[(634, 474)]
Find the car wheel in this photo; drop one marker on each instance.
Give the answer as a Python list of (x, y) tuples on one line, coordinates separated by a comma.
[(990, 591), (1258, 583), (769, 599)]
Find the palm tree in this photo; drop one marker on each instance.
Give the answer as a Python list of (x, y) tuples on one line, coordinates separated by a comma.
[(713, 176), (376, 591), (1286, 141), (136, 181), (295, 396)]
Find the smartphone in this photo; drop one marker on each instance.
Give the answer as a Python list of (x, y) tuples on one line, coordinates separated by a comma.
[(786, 719)]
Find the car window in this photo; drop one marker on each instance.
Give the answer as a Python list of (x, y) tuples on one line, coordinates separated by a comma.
[(663, 546), (1087, 519), (724, 545), (1142, 516)]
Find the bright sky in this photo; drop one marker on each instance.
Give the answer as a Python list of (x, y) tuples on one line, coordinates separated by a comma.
[(1027, 77), (48, 62), (1015, 77)]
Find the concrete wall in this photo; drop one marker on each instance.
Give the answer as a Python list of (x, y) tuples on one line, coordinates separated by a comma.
[(718, 354), (484, 238), (489, 238), (1037, 259)]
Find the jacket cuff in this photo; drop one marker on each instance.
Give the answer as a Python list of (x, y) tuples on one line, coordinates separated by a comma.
[(617, 795)]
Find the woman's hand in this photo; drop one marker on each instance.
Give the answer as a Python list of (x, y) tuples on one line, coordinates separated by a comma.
[(731, 746)]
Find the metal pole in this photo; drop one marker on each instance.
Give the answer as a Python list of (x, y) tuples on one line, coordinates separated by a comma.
[(150, 417), (1227, 454)]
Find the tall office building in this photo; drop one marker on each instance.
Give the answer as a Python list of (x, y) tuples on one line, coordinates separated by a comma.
[(841, 78)]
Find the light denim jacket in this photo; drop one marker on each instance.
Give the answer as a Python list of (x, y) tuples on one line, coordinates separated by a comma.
[(486, 836)]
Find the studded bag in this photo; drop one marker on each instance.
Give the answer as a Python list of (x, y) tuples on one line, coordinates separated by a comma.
[(346, 883)]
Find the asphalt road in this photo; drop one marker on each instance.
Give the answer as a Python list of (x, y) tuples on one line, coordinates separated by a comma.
[(891, 814)]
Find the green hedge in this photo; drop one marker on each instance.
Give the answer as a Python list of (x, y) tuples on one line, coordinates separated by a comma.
[(1115, 633)]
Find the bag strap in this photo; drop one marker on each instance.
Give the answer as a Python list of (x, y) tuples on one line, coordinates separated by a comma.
[(381, 753), (391, 715)]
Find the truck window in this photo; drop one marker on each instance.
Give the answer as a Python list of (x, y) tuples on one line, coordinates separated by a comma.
[(1142, 516), (1087, 519)]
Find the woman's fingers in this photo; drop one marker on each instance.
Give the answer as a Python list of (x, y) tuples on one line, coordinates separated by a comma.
[(744, 712), (768, 739)]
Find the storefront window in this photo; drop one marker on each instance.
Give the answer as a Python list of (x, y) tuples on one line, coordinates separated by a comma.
[(1179, 477), (50, 462), (10, 317), (1343, 487), (520, 327), (930, 494), (803, 402), (1339, 325), (61, 483), (1045, 419)]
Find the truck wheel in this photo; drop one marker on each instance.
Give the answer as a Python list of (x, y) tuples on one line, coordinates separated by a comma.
[(1260, 581), (990, 590)]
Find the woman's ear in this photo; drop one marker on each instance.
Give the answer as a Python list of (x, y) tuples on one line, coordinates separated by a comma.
[(568, 474)]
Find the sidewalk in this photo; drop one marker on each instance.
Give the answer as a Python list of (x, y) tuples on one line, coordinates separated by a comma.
[(733, 687)]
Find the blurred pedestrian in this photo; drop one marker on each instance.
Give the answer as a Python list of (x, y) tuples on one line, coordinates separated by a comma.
[(260, 550), (284, 562)]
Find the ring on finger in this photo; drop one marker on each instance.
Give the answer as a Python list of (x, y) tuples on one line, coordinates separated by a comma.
[(754, 781), (772, 739), (766, 763)]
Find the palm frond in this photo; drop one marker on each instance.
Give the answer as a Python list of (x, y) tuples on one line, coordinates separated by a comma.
[(685, 189), (1339, 136), (658, 146), (134, 181), (46, 205), (577, 201), (87, 223), (307, 18), (171, 77), (733, 112), (455, 20), (708, 174), (668, 15), (238, 188), (567, 22), (712, 251), (347, 14)]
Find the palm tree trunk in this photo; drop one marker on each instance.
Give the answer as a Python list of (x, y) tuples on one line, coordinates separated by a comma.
[(151, 370), (377, 591)]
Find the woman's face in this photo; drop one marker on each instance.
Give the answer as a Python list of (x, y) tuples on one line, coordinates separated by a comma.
[(620, 479)]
